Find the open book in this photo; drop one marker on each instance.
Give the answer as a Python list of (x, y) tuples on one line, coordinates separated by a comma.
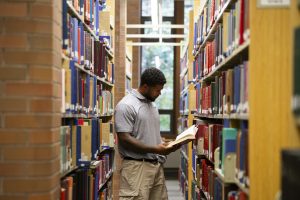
[(185, 137)]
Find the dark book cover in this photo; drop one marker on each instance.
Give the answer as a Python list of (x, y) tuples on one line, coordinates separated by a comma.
[(290, 174), (296, 89)]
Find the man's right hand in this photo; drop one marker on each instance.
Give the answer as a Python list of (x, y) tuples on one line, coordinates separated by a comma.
[(164, 149)]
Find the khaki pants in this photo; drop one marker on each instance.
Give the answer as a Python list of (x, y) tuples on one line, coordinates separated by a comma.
[(142, 181)]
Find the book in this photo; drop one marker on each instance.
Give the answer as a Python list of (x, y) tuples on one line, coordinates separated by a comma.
[(296, 88), (185, 137)]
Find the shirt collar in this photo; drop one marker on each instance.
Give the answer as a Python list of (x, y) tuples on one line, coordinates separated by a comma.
[(137, 94)]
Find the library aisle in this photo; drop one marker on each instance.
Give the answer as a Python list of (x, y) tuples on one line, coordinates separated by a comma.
[(232, 71), (174, 192)]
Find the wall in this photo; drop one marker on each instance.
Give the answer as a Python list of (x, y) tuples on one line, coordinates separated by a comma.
[(120, 56), (30, 93), (133, 17)]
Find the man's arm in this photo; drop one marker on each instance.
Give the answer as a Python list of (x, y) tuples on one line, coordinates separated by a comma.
[(132, 143)]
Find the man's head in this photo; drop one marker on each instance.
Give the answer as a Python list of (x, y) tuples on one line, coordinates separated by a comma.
[(152, 82)]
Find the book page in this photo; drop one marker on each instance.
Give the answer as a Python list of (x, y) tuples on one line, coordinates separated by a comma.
[(186, 135), (190, 131)]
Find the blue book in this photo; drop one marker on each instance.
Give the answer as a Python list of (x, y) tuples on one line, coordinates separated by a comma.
[(236, 87), (230, 146), (227, 134), (82, 44), (243, 146), (92, 9), (75, 39), (81, 7), (80, 91), (96, 185), (96, 28), (74, 86), (218, 189), (65, 25), (95, 141)]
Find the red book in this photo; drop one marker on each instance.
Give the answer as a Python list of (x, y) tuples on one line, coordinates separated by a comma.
[(63, 194), (242, 25)]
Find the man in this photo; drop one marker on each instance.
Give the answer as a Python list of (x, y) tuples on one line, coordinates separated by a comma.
[(140, 144)]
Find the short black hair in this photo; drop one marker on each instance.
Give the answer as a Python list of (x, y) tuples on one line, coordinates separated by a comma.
[(152, 77)]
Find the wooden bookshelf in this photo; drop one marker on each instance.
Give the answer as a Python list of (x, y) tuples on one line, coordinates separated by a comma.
[(223, 116), (74, 13), (90, 126), (272, 123), (229, 61), (212, 30)]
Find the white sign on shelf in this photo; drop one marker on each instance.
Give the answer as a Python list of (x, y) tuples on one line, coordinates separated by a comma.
[(273, 3)]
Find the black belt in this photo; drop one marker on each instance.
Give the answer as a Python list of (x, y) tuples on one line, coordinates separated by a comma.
[(153, 161)]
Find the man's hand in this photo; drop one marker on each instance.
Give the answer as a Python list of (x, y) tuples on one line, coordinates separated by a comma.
[(164, 149)]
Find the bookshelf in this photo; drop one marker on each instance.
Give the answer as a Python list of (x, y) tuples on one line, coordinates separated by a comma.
[(264, 119), (273, 115), (218, 82), (87, 140)]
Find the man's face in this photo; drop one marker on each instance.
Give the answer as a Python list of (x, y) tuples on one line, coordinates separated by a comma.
[(153, 92)]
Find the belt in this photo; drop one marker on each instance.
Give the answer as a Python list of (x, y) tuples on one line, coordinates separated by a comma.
[(153, 161)]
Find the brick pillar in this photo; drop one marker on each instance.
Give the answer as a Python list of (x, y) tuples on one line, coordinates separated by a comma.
[(30, 93), (134, 7), (120, 56)]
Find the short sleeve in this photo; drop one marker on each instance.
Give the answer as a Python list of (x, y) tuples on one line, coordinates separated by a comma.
[(124, 118)]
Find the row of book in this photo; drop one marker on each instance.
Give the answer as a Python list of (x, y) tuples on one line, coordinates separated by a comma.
[(82, 140), (87, 182), (82, 93), (209, 186), (226, 94), (228, 141), (184, 104), (84, 49), (183, 183), (90, 52), (184, 81), (92, 13), (233, 28), (183, 59)]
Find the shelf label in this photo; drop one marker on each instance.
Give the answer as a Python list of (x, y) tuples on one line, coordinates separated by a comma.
[(273, 3)]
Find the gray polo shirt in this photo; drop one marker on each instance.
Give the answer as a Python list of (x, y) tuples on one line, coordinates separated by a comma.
[(138, 116)]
